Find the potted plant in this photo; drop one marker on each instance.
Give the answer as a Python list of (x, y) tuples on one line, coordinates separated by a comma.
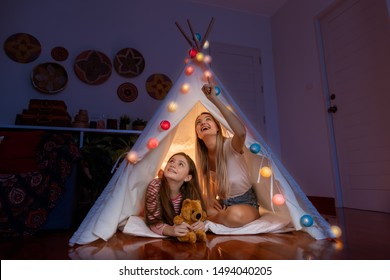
[(124, 122), (139, 124)]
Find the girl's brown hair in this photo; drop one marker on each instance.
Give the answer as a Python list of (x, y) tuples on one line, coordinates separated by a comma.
[(190, 189)]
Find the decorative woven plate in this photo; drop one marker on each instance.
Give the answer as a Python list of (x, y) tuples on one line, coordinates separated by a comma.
[(49, 77), (59, 53), (158, 85), (93, 67), (129, 63), (22, 47), (127, 92)]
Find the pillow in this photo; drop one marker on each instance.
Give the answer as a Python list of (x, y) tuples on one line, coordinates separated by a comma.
[(268, 223), (18, 151), (136, 226)]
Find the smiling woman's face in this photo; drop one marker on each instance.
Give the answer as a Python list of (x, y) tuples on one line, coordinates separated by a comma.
[(205, 126)]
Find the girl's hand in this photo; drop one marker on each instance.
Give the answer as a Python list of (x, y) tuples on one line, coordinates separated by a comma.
[(199, 225), (181, 230)]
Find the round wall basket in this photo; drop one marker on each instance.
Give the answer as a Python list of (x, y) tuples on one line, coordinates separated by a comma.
[(22, 47), (158, 85), (129, 63), (59, 53), (127, 92), (93, 67), (49, 77)]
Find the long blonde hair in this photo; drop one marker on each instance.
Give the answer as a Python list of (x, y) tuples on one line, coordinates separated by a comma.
[(221, 188)]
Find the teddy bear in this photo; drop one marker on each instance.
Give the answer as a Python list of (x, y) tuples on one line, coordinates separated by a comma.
[(191, 212)]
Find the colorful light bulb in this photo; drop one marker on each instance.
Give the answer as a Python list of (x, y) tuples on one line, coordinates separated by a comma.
[(255, 148), (207, 74), (189, 70), (185, 88), (207, 59), (306, 221), (266, 172), (192, 53), (152, 143), (172, 106), (217, 90), (165, 125), (132, 157), (278, 199), (199, 56), (336, 231)]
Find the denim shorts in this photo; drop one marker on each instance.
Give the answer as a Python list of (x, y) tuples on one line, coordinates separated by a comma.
[(247, 198)]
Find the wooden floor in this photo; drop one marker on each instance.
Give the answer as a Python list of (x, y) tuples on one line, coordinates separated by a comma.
[(365, 236)]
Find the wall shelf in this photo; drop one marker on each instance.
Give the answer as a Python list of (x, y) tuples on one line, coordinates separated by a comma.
[(81, 131)]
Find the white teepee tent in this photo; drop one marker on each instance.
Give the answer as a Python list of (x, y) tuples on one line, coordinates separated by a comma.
[(123, 196)]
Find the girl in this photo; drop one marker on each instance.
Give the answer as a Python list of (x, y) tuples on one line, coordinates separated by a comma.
[(230, 199), (164, 196)]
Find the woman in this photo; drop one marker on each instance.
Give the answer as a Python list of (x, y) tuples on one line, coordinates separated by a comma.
[(164, 196), (226, 187)]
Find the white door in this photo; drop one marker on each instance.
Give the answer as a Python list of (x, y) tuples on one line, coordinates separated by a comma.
[(239, 70), (356, 50)]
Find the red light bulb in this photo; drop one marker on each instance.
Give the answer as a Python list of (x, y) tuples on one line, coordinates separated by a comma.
[(192, 53), (165, 125)]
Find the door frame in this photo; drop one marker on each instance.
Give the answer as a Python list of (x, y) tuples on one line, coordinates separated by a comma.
[(326, 92)]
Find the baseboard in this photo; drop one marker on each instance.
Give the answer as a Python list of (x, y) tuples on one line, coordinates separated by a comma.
[(324, 205)]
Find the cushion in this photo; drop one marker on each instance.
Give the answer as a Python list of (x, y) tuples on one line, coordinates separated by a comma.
[(18, 151), (136, 226), (268, 223)]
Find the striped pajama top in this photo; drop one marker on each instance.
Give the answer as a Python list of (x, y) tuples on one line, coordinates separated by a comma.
[(153, 208)]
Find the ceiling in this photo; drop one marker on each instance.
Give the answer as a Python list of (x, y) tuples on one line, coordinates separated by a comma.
[(259, 7)]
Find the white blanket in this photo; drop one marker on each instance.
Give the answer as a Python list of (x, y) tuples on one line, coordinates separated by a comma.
[(268, 223)]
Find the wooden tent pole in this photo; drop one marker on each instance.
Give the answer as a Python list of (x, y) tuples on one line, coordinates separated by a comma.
[(193, 35), (185, 35), (207, 32)]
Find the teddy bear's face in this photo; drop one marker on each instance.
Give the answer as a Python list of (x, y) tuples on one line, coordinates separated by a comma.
[(191, 210)]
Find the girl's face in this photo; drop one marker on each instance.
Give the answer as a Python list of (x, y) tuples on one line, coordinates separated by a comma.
[(205, 125), (177, 169)]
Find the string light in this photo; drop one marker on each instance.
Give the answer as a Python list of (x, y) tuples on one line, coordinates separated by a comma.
[(165, 125), (255, 148), (306, 221), (192, 53), (278, 199), (189, 70), (336, 231), (266, 172), (172, 107), (207, 58), (132, 157), (199, 56), (152, 143), (207, 74), (185, 88)]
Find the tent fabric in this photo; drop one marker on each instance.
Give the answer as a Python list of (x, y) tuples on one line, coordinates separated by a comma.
[(124, 194)]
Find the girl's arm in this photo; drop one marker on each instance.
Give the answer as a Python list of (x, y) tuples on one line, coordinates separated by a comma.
[(152, 210), (234, 122), (153, 213), (176, 230)]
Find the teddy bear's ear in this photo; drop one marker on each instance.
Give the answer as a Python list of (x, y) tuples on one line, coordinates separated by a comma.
[(187, 201)]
